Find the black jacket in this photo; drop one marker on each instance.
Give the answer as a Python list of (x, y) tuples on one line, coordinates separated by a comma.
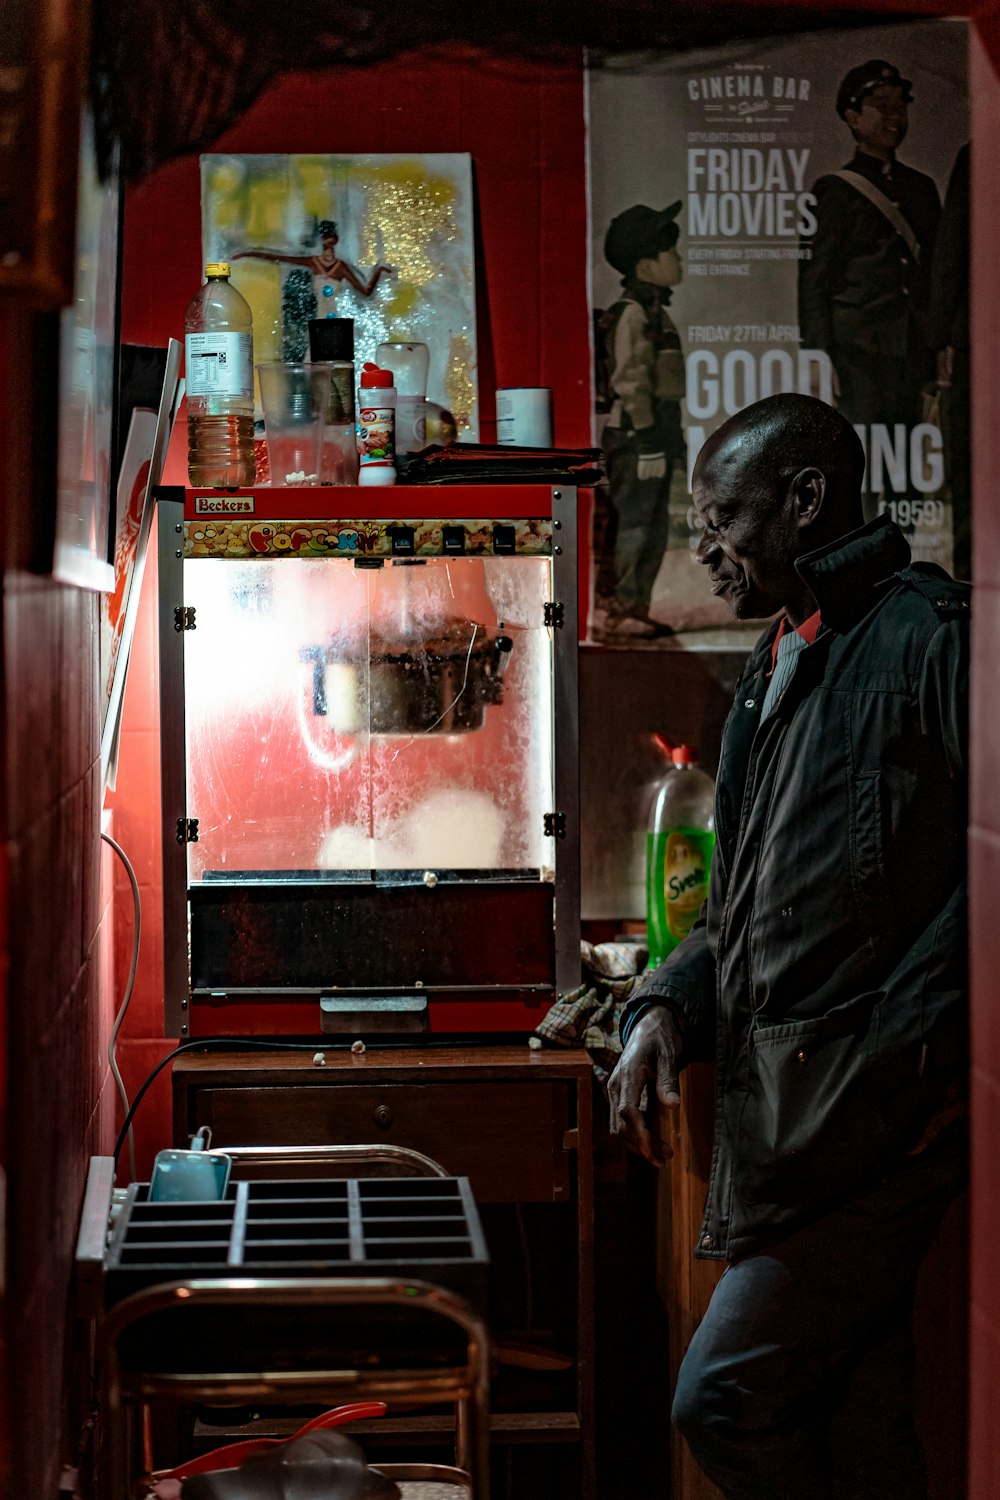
[(829, 980), (861, 288)]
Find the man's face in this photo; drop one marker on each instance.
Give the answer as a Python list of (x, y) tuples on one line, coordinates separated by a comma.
[(880, 125), (748, 544)]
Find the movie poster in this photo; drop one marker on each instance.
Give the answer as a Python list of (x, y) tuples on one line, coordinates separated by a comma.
[(780, 215)]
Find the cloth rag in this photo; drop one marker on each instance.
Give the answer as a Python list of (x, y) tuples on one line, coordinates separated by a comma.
[(588, 1016)]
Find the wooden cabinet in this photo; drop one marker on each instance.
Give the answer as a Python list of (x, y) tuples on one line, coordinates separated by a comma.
[(515, 1121)]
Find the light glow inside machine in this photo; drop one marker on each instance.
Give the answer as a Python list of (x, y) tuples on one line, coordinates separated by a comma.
[(348, 719)]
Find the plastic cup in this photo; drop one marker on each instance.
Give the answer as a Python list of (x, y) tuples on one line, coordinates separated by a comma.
[(339, 459), (295, 399)]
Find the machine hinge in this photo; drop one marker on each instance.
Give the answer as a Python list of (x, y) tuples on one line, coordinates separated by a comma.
[(554, 614), (555, 825), (187, 830), (184, 617)]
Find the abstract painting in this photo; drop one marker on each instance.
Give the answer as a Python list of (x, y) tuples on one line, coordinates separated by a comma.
[(385, 240)]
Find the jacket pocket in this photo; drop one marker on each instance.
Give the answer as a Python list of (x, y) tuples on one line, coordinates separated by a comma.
[(869, 860), (867, 849), (811, 1126)]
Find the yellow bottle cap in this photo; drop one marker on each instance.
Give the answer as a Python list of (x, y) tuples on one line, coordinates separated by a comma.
[(217, 268)]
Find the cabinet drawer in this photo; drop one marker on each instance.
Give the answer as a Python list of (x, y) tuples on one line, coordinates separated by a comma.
[(507, 1138)]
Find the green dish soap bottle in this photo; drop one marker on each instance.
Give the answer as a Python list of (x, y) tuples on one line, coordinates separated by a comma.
[(679, 846)]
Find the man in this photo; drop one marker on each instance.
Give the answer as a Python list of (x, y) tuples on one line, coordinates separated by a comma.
[(643, 437), (828, 979), (863, 295)]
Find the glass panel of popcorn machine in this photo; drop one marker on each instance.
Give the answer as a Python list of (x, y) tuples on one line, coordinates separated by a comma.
[(344, 719)]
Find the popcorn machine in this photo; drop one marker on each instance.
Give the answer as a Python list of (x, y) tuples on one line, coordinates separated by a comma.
[(369, 759)]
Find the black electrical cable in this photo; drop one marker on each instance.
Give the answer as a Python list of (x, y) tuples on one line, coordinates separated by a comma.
[(227, 1042), (122, 1011)]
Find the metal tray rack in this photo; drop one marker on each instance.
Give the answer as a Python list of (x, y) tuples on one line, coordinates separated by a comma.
[(426, 1227)]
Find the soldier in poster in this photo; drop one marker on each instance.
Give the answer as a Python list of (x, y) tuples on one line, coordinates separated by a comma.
[(864, 292)]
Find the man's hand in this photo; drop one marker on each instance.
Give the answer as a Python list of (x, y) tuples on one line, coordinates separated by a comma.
[(647, 1066)]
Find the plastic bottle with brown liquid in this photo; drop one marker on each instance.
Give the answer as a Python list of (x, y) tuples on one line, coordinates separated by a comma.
[(218, 368)]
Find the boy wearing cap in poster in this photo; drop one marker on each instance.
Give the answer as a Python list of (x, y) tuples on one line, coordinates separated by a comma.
[(863, 295), (643, 436)]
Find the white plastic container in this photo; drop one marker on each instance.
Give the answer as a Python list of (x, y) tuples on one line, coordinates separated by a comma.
[(218, 370), (524, 416), (376, 427)]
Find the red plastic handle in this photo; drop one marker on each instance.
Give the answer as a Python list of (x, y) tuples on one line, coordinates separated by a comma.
[(232, 1454), (338, 1415)]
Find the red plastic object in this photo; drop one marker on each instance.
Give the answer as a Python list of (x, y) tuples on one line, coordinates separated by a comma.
[(232, 1454), (373, 375)]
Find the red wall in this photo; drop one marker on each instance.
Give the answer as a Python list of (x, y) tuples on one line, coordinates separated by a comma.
[(523, 125), (55, 986)]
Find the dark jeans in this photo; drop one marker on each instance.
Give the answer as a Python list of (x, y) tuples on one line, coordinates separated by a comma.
[(798, 1384)]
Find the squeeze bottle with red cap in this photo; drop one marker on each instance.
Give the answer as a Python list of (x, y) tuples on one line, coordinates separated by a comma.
[(376, 427), (679, 847)]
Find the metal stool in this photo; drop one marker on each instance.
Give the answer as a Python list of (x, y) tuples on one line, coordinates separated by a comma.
[(127, 1390)]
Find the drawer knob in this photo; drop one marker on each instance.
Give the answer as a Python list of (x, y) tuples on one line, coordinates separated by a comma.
[(383, 1116)]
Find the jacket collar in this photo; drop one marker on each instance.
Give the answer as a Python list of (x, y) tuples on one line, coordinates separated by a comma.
[(848, 576)]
